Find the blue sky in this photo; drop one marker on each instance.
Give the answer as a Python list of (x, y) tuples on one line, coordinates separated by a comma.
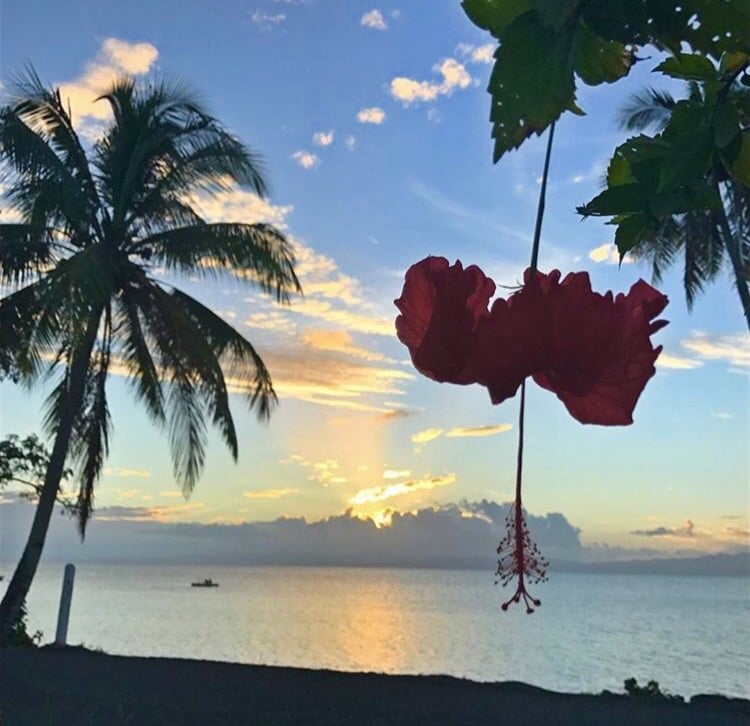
[(373, 123)]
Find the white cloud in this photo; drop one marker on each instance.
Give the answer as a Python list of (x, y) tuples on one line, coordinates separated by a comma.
[(676, 362), (115, 58), (734, 349), (351, 142), (305, 159), (372, 115), (267, 20), (454, 77), (607, 253), (238, 205), (396, 473), (482, 54), (323, 138), (373, 19)]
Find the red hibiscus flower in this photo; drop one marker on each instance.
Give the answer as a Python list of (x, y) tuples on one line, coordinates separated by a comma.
[(593, 351), (440, 308)]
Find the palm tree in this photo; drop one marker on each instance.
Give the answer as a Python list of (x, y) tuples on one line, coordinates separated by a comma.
[(97, 226), (705, 239)]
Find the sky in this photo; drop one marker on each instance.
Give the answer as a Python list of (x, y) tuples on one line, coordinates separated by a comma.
[(372, 120)]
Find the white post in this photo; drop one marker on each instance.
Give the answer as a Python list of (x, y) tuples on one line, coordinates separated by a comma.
[(65, 598)]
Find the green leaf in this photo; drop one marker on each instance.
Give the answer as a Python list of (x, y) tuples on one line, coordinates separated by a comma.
[(623, 199), (732, 62), (619, 171), (741, 168), (495, 15), (689, 159), (598, 60), (630, 231), (555, 12), (688, 67), (726, 124), (531, 83)]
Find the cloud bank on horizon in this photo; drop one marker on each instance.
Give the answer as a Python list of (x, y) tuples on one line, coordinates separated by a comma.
[(453, 536)]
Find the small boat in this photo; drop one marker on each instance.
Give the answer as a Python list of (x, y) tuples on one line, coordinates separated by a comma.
[(208, 582)]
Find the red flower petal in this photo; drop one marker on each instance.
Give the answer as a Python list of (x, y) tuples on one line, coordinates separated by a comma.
[(601, 355), (440, 306)]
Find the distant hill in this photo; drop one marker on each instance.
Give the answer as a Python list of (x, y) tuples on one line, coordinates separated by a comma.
[(737, 565)]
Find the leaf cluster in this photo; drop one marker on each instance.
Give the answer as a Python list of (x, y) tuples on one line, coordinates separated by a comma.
[(545, 45), (23, 462), (654, 180)]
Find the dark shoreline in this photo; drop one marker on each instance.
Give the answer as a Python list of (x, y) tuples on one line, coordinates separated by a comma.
[(74, 686)]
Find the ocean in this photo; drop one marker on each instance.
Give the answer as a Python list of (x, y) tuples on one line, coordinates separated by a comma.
[(690, 634)]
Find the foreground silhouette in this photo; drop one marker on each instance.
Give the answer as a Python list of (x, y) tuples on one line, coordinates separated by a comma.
[(75, 686)]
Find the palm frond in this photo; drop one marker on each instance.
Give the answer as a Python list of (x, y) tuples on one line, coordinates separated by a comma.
[(136, 355), (191, 368), (26, 252), (92, 428), (256, 252), (649, 108), (164, 144), (237, 355), (45, 110)]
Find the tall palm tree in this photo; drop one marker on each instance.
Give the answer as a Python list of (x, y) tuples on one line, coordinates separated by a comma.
[(705, 239), (98, 224)]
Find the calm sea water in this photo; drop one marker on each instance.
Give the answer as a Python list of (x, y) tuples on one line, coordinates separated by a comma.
[(592, 631)]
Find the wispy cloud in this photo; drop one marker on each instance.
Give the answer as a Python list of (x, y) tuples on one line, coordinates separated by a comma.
[(388, 491), (351, 142), (165, 514), (306, 159), (733, 349), (687, 530), (339, 341), (267, 21), (676, 362), (422, 437), (269, 493), (373, 19), (490, 430), (124, 473), (396, 473), (454, 76), (325, 472), (427, 435), (372, 115)]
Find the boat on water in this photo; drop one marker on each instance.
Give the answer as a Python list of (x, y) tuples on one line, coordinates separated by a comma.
[(208, 582)]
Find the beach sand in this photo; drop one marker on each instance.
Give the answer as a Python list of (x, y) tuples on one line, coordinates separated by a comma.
[(74, 686)]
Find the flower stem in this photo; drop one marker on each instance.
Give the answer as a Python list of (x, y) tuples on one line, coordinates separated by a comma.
[(540, 206), (521, 560)]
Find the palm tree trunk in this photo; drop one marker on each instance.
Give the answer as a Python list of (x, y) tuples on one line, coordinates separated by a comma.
[(735, 256), (23, 576)]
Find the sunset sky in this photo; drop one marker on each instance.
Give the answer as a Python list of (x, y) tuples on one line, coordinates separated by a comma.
[(373, 124)]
